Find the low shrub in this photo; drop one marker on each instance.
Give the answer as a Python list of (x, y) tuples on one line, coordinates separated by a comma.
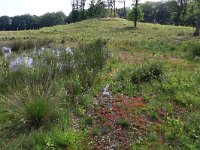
[(122, 81), (92, 56), (144, 73), (129, 80), (195, 49), (88, 121), (89, 60), (73, 88), (147, 72)]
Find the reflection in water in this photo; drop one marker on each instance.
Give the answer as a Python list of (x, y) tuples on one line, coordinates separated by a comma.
[(21, 61), (24, 60), (105, 91), (6, 51)]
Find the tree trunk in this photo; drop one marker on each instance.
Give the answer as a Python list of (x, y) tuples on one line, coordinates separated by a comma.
[(124, 9), (114, 9), (136, 13), (196, 33)]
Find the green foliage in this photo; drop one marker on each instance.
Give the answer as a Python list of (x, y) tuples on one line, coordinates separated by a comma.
[(41, 95), (171, 12), (193, 128), (195, 49), (26, 22), (87, 121), (74, 16), (176, 135), (171, 95), (122, 81), (19, 45), (131, 14), (34, 105), (3, 68), (96, 10), (123, 123), (37, 139), (5, 23), (130, 80), (52, 19), (89, 60), (147, 72), (62, 140), (28, 44), (174, 128), (38, 111)]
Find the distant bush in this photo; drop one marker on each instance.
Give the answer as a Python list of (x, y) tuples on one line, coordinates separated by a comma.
[(129, 79), (147, 72), (144, 73)]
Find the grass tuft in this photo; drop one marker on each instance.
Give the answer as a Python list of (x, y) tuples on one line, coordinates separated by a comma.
[(38, 111), (124, 123)]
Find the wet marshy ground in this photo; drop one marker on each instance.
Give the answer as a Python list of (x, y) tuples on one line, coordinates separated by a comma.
[(26, 58)]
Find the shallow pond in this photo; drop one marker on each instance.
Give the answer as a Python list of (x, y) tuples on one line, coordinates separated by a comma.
[(26, 59)]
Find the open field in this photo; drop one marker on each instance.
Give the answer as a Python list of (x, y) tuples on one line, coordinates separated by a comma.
[(153, 99)]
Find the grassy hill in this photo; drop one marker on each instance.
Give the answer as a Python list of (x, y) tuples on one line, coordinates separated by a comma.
[(153, 76)]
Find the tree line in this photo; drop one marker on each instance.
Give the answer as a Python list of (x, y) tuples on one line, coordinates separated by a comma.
[(172, 12), (177, 12), (26, 22)]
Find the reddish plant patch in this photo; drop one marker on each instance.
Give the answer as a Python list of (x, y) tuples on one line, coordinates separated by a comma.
[(119, 122), (120, 108)]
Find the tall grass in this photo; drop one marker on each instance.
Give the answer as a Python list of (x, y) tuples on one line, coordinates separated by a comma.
[(22, 44), (89, 60), (36, 98), (38, 111)]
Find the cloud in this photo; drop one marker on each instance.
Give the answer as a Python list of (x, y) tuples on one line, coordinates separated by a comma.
[(40, 7), (33, 7)]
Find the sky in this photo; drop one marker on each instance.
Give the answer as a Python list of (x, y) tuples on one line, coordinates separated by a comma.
[(37, 7)]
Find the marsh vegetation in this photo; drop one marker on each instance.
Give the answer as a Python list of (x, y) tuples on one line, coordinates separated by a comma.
[(151, 74)]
